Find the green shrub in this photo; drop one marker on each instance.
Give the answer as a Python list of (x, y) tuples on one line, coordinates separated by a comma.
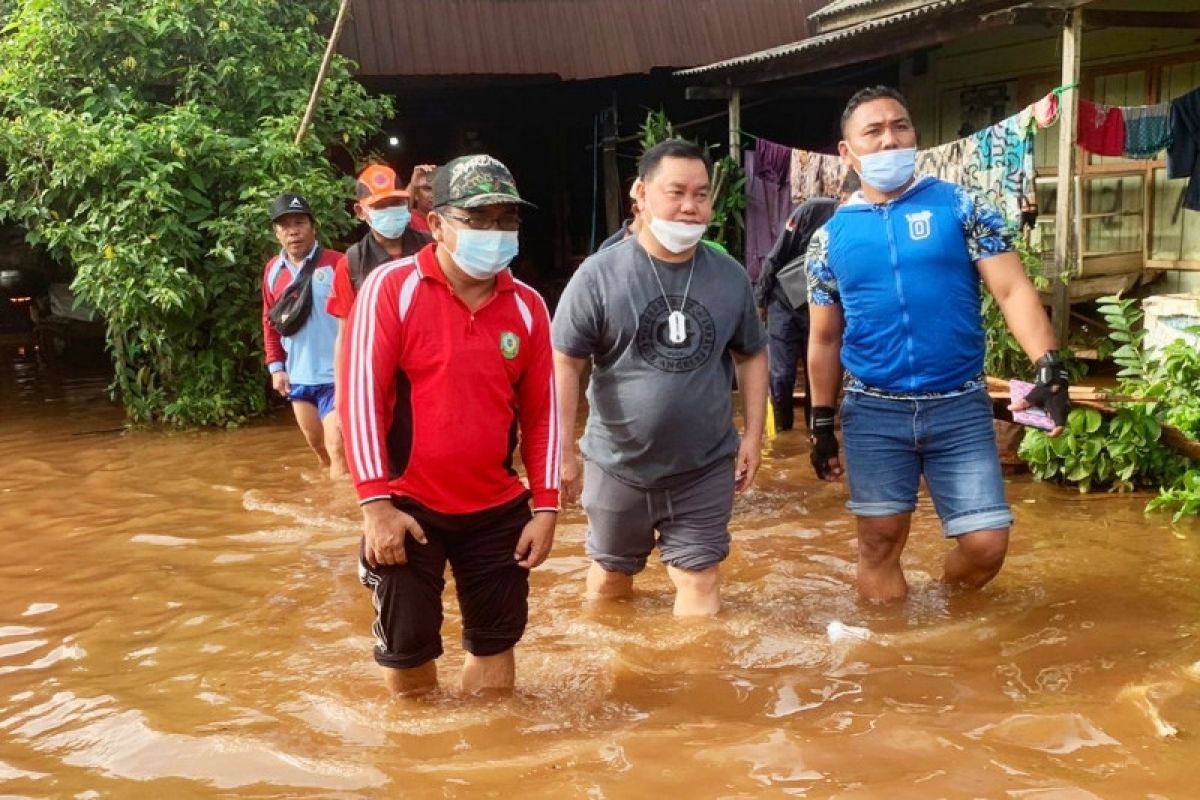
[(1125, 451), (140, 143)]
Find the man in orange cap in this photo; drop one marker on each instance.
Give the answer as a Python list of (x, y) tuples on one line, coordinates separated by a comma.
[(383, 205)]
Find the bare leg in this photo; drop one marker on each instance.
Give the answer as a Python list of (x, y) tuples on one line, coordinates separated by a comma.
[(416, 681), (333, 445), (976, 558), (310, 425), (697, 593), (881, 540), (489, 673), (605, 585)]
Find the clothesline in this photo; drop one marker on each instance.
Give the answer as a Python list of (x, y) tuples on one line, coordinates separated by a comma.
[(996, 162), (1136, 132)]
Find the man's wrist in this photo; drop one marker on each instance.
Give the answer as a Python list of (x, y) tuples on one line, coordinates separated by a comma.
[(371, 505), (1051, 369), (823, 416), (1048, 358)]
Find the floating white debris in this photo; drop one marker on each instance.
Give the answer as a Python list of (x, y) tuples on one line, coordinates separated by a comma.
[(839, 631)]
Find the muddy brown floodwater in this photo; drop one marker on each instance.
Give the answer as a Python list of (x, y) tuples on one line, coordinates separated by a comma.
[(180, 618)]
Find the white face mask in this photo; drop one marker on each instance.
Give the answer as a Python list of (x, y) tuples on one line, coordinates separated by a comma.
[(678, 237), (887, 170), (482, 254)]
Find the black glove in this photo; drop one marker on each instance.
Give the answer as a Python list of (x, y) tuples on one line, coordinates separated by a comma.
[(824, 442), (1050, 391)]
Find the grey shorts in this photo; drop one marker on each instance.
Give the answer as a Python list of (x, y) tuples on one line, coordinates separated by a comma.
[(691, 520)]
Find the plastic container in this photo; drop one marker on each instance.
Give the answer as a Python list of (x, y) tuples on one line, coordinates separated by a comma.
[(1168, 317)]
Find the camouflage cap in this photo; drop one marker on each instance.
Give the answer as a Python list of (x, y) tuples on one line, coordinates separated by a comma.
[(474, 181)]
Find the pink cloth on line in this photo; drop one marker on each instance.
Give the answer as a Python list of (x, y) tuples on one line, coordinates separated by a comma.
[(1045, 111)]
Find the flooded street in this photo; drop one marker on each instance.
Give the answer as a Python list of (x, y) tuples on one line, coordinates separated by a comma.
[(180, 618)]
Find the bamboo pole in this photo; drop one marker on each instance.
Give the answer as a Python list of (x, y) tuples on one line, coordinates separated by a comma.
[(735, 126), (330, 49), (1064, 227)]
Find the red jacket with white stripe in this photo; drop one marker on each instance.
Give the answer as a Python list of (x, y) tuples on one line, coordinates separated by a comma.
[(432, 396)]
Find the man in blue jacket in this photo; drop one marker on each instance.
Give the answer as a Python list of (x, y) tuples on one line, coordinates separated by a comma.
[(894, 298)]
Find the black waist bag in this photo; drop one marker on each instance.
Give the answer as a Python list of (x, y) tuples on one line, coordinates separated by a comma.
[(292, 308)]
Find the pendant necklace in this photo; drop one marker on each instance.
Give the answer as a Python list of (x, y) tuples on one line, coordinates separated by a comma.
[(676, 322)]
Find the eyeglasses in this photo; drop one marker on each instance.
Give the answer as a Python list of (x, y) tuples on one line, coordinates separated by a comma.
[(478, 222)]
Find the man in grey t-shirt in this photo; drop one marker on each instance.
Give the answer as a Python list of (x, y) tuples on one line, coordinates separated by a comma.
[(665, 321)]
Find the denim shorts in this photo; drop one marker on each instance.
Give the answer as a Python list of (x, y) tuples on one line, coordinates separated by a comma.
[(889, 444), (319, 394)]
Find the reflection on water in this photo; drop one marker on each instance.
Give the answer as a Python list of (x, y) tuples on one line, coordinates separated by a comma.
[(180, 616)]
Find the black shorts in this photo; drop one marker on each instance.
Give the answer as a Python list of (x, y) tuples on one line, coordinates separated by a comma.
[(493, 590)]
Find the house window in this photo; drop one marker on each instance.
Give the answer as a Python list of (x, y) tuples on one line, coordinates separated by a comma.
[(1128, 214), (1113, 220), (1175, 235)]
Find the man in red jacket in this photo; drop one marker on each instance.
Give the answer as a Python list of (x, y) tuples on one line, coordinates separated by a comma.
[(446, 359)]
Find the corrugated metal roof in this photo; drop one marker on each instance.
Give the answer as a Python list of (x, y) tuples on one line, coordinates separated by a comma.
[(845, 13), (841, 6), (823, 40), (574, 39)]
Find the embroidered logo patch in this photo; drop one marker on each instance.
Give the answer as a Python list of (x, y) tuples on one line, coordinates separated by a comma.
[(918, 225), (510, 345)]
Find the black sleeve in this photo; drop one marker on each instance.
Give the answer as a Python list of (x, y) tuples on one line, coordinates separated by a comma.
[(801, 225), (780, 254)]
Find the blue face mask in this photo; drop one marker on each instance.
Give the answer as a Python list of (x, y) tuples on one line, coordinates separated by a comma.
[(888, 170), (482, 254), (390, 222)]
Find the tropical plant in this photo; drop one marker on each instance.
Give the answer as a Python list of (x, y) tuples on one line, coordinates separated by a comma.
[(728, 223), (1125, 450), (1003, 355), (728, 183), (1121, 453), (656, 128), (140, 143)]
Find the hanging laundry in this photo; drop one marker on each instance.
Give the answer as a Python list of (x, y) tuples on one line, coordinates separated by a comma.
[(1006, 169), (815, 175), (1147, 130), (1101, 129), (996, 162), (768, 200), (951, 161), (1183, 159), (773, 161), (1045, 111)]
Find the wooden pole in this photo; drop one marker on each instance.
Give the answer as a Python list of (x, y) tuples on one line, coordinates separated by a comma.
[(735, 126), (1065, 246), (330, 49), (613, 200)]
